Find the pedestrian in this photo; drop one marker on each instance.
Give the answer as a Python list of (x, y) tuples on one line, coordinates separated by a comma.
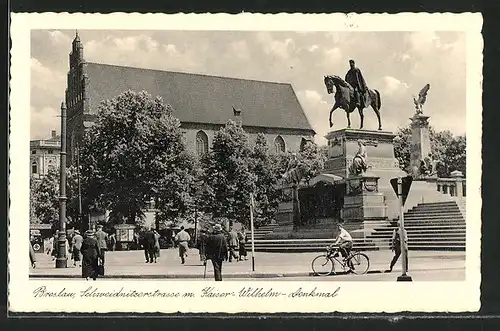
[(32, 256), (396, 247), (156, 245), (69, 237), (202, 239), (172, 240), (49, 245), (233, 245), (102, 242), (242, 239), (90, 255), (149, 245), (217, 250), (77, 246), (137, 241), (54, 250), (112, 241), (182, 238)]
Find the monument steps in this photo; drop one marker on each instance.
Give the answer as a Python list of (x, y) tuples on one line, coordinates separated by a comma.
[(430, 226)]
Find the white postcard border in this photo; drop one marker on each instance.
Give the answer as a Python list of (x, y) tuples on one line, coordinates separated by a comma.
[(352, 296)]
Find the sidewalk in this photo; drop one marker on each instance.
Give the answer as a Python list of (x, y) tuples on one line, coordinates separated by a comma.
[(131, 264)]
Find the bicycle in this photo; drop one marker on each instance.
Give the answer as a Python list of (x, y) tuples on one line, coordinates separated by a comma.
[(324, 264)]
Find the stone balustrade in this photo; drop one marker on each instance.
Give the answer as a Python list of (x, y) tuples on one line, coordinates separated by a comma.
[(454, 186)]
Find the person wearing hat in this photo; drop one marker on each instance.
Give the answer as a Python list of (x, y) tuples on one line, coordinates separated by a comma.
[(217, 250), (91, 253), (77, 246), (182, 238), (102, 241)]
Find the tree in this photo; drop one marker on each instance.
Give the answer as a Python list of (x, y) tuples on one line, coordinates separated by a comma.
[(134, 153), (311, 161), (455, 155), (44, 196), (227, 174), (267, 193), (402, 147)]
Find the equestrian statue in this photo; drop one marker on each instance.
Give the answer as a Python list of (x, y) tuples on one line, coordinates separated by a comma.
[(353, 93)]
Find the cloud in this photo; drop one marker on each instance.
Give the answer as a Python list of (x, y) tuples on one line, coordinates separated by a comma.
[(46, 79), (58, 37), (332, 57), (238, 50), (393, 86), (43, 121), (279, 48), (312, 48)]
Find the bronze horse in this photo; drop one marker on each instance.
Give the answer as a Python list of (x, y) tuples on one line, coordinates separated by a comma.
[(344, 99)]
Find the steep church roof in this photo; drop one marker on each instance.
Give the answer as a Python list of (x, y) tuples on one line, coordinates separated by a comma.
[(199, 98)]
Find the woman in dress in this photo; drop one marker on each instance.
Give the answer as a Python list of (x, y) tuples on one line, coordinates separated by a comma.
[(90, 256)]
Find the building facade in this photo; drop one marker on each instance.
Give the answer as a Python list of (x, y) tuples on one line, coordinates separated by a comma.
[(202, 103), (44, 155)]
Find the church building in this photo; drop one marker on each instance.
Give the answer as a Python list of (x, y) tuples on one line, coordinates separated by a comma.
[(202, 103)]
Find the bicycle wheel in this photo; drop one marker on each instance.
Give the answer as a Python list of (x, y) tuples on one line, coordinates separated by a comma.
[(360, 263), (322, 265)]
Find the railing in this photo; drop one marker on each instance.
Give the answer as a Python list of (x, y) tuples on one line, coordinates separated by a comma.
[(454, 186)]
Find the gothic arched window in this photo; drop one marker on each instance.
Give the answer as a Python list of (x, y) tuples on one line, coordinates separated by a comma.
[(279, 144), (34, 168), (201, 143), (303, 143)]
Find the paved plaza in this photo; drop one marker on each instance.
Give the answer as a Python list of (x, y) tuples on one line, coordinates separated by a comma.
[(277, 266)]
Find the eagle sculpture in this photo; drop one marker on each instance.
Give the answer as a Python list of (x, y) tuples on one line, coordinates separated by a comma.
[(422, 96)]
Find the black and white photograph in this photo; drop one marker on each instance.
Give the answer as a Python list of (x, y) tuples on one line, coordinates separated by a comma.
[(281, 163)]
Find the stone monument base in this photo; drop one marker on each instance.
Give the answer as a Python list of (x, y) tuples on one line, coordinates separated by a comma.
[(343, 146), (364, 206)]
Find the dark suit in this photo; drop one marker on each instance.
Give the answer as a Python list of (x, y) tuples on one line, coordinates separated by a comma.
[(216, 249), (149, 245)]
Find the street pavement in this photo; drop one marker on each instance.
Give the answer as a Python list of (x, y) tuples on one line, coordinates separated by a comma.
[(446, 266)]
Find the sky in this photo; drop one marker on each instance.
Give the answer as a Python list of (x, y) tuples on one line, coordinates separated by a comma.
[(397, 64)]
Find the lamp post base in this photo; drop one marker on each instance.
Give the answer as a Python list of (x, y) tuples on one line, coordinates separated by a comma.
[(404, 278), (61, 263)]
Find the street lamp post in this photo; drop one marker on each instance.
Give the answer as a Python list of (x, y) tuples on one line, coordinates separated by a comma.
[(402, 235), (61, 261), (80, 216)]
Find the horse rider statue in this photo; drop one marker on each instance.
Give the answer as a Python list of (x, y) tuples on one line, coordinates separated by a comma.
[(355, 78)]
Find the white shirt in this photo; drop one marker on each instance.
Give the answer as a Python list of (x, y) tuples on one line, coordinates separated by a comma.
[(344, 236)]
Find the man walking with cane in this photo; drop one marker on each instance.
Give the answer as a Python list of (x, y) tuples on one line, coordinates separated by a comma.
[(216, 249)]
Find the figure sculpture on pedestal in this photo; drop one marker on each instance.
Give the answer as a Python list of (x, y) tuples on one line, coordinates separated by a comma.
[(422, 97), (359, 165), (353, 93)]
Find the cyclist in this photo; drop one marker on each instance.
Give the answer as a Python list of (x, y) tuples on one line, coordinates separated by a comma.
[(344, 242)]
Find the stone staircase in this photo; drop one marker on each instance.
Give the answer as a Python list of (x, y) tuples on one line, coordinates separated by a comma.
[(430, 226)]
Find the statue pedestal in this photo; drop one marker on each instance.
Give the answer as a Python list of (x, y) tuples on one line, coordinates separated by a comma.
[(362, 201), (420, 142), (343, 146)]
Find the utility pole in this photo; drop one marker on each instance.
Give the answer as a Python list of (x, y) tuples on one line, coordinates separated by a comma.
[(61, 261)]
